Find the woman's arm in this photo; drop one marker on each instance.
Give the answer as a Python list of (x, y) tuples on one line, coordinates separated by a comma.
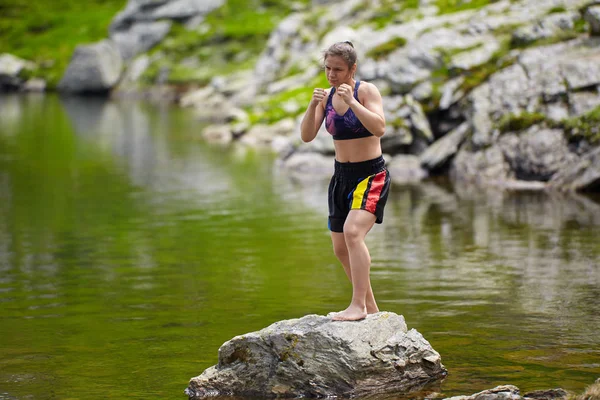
[(313, 117)]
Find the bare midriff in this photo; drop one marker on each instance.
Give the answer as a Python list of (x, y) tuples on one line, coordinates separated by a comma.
[(357, 150)]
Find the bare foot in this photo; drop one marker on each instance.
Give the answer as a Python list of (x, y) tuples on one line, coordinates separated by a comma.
[(350, 314)]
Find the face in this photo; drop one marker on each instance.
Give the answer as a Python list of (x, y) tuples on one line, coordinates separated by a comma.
[(337, 71)]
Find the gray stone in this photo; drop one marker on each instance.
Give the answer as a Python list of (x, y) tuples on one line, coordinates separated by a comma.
[(438, 153), (537, 154), (551, 394), (35, 85), (220, 134), (505, 392), (582, 102), (153, 10), (582, 175), (406, 168), (304, 165), (451, 93), (592, 16), (10, 69), (140, 37), (93, 68), (316, 357), (486, 167), (549, 26)]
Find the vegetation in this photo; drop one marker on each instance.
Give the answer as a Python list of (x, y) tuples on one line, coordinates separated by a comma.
[(384, 49), (586, 126), (519, 122), (48, 32), (272, 110), (452, 6), (230, 39), (389, 12)]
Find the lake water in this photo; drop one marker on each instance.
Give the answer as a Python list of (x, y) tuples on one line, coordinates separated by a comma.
[(130, 251)]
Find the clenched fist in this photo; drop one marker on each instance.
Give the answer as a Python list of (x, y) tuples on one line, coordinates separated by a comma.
[(318, 96), (346, 93)]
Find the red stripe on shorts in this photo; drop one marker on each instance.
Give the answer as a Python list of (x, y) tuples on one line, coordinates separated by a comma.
[(375, 191)]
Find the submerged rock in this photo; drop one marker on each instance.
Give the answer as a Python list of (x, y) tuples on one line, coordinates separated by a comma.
[(314, 356)]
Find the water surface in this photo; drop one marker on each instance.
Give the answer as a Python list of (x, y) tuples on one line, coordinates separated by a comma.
[(130, 251)]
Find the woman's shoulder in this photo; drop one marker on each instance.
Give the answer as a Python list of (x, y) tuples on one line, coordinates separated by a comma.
[(367, 89)]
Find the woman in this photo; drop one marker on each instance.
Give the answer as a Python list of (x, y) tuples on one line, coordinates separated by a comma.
[(353, 114)]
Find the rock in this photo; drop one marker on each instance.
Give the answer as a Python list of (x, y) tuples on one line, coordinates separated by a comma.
[(485, 167), (140, 37), (35, 85), (316, 357), (541, 76), (583, 175), (549, 26), (220, 134), (153, 10), (592, 16), (11, 68), (505, 392), (405, 168), (437, 154), (451, 93), (93, 68), (536, 154), (259, 135), (551, 394), (308, 165)]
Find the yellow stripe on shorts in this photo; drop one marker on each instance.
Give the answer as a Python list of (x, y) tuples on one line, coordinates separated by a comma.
[(359, 193)]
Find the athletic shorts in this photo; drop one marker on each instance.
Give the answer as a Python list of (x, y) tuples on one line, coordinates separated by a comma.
[(357, 186)]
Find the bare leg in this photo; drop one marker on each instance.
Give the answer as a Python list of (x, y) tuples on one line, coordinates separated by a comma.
[(341, 251), (356, 227)]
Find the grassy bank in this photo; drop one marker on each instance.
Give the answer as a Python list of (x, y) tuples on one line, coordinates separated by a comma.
[(47, 32)]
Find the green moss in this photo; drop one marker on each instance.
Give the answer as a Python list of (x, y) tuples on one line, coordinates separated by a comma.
[(499, 60), (520, 122), (557, 10), (47, 32), (384, 49), (390, 11), (586, 126), (397, 123), (452, 6)]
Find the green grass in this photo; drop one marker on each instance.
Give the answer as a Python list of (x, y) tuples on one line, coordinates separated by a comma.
[(47, 32)]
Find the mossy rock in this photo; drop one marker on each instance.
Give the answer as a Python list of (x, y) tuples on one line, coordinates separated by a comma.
[(385, 49)]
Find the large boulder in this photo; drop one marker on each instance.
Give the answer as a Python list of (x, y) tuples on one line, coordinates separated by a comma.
[(93, 68), (315, 356)]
